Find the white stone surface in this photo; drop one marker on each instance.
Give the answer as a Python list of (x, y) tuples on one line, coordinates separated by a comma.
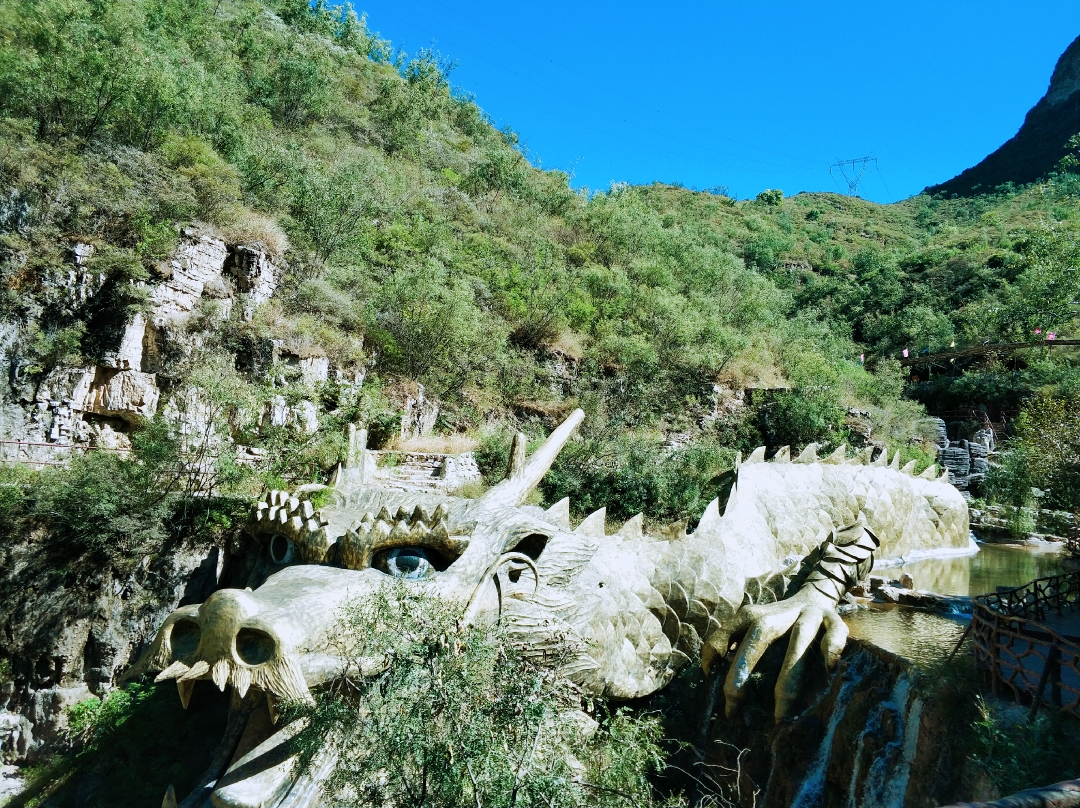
[(127, 394), (11, 783), (198, 260)]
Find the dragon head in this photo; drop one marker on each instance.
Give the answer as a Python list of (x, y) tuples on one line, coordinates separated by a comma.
[(268, 641)]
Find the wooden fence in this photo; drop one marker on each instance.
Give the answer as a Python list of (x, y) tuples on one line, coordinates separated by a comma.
[(982, 350), (1023, 656), (18, 451)]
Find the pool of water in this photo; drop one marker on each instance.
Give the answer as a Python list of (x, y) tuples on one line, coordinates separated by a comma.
[(925, 638), (921, 637), (993, 566)]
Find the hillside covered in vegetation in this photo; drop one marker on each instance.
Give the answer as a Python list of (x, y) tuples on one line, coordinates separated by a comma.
[(1040, 144), (413, 244), (420, 245)]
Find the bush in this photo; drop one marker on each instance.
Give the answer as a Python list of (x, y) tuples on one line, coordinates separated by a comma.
[(104, 505), (798, 417), (771, 197), (631, 474), (1020, 754), (493, 454), (463, 718), (1044, 454)]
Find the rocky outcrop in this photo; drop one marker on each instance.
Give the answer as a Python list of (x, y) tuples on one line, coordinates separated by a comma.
[(255, 274), (1036, 149), (967, 459), (44, 419), (419, 412), (69, 633)]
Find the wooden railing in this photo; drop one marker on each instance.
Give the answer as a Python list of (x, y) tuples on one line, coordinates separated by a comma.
[(981, 350), (15, 451), (1023, 656)]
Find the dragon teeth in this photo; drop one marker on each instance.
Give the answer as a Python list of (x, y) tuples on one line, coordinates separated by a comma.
[(184, 688), (220, 674), (241, 679), (196, 671), (176, 669)]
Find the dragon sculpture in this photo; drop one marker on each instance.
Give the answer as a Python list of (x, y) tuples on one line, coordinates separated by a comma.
[(641, 607)]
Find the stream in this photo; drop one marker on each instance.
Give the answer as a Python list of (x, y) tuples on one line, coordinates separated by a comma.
[(925, 638)]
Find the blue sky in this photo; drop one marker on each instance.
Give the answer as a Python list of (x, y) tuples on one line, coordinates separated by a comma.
[(748, 95)]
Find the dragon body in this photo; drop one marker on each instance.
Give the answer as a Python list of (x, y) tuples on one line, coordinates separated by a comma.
[(794, 535)]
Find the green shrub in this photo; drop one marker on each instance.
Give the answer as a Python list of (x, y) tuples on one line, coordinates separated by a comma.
[(1043, 454), (1020, 754), (632, 474), (771, 197), (798, 417), (493, 454), (461, 717)]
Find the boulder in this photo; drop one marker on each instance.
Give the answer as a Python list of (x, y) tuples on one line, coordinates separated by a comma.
[(957, 460), (126, 394)]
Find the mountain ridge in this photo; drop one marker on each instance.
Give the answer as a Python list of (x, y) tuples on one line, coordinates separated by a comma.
[(1034, 151)]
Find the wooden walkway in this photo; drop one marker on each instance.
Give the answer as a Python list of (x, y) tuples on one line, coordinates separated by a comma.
[(1027, 640), (982, 350)]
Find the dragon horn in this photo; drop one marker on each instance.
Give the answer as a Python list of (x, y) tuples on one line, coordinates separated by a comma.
[(513, 490)]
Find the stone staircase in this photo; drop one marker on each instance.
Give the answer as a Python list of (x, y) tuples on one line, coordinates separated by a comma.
[(424, 471)]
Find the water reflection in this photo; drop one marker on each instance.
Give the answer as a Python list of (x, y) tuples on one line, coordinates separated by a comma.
[(921, 637), (993, 566), (924, 638)]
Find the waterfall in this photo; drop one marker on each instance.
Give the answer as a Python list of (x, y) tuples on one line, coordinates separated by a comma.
[(813, 786)]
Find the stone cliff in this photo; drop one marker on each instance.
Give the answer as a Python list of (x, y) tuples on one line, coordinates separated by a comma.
[(1036, 149)]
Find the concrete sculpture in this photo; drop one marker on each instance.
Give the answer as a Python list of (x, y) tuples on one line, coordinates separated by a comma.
[(794, 535)]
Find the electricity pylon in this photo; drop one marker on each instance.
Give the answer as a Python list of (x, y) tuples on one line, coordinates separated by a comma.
[(852, 171)]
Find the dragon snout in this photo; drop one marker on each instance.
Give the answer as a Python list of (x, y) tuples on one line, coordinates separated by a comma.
[(225, 640)]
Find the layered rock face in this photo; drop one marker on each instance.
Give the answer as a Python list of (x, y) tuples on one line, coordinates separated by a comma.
[(70, 638), (967, 459), (71, 407), (1036, 149)]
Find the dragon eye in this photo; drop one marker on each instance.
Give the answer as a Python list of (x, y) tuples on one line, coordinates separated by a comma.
[(412, 563)]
